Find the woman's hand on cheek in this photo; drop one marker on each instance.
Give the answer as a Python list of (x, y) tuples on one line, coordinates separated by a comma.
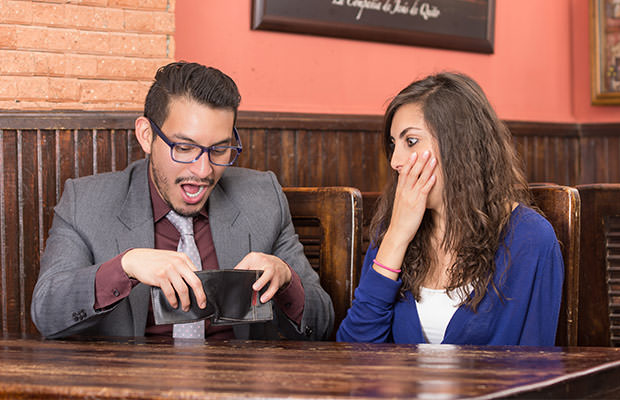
[(415, 181)]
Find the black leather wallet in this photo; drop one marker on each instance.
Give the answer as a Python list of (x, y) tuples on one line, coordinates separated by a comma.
[(230, 300)]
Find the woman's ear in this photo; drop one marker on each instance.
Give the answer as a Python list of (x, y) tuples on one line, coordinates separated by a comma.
[(144, 134)]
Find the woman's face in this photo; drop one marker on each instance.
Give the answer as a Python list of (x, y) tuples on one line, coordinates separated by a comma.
[(410, 134)]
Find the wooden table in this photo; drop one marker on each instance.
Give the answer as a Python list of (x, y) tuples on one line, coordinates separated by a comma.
[(137, 369)]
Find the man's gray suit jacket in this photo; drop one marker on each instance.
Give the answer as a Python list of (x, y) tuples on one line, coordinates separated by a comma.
[(100, 216)]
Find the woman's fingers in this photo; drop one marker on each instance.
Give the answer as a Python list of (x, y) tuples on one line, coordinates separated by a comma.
[(426, 174), (405, 171), (411, 172)]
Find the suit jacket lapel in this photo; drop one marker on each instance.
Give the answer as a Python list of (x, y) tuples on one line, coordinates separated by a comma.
[(231, 238), (229, 229), (137, 231)]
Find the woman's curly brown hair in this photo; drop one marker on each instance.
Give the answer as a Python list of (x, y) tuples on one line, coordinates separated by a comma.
[(482, 177)]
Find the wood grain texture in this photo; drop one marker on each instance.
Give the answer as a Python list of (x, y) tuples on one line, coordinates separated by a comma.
[(561, 206), (334, 245), (40, 150), (163, 369), (599, 304)]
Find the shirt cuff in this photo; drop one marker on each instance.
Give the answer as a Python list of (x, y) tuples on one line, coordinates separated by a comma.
[(291, 298), (376, 286), (112, 283)]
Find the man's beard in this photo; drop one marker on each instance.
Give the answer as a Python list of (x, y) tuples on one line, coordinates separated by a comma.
[(161, 182)]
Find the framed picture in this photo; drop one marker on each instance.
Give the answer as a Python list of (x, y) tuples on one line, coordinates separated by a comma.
[(450, 24), (605, 51)]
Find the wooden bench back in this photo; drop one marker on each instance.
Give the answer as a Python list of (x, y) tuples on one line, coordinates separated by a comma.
[(328, 221), (560, 204), (599, 279), (35, 163)]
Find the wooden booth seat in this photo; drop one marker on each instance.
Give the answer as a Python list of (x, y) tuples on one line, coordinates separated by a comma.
[(599, 279), (328, 221), (36, 158), (560, 204)]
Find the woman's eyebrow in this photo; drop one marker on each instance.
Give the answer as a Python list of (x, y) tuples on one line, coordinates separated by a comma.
[(407, 129)]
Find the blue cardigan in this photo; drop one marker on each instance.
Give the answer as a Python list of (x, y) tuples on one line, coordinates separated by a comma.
[(526, 315)]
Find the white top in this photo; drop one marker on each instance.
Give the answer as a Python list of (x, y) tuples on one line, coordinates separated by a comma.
[(435, 310)]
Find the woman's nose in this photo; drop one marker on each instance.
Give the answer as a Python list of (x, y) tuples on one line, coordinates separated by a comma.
[(397, 160)]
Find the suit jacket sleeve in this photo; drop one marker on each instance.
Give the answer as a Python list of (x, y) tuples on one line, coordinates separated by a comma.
[(63, 298), (97, 218)]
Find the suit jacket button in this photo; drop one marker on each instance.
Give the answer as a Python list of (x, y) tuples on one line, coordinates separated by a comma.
[(82, 313), (308, 331), (75, 316), (116, 293)]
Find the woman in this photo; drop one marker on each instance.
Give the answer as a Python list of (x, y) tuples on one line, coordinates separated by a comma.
[(456, 254)]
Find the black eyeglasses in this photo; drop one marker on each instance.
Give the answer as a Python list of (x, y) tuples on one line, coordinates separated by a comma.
[(188, 153)]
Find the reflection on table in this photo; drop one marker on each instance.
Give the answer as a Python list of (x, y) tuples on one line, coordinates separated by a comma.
[(163, 368)]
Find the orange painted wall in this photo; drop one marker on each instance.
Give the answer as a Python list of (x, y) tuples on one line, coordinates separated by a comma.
[(539, 71)]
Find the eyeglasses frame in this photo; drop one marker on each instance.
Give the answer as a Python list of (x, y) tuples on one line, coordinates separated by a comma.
[(203, 149)]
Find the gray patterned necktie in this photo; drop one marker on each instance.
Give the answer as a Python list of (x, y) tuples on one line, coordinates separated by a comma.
[(187, 245)]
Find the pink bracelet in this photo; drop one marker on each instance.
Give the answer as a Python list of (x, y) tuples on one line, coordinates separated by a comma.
[(384, 267)]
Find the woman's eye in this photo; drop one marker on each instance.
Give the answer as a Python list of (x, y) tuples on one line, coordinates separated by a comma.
[(411, 142)]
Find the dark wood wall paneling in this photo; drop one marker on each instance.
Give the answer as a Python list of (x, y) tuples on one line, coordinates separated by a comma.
[(40, 150), (314, 150), (600, 153)]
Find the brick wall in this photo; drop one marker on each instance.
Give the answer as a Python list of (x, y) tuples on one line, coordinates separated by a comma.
[(82, 54)]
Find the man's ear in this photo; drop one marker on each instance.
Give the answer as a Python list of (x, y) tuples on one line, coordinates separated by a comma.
[(144, 134)]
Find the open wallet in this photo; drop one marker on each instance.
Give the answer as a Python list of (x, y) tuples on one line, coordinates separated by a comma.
[(230, 300)]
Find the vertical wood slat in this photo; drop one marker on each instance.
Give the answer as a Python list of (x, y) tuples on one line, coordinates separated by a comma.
[(549, 159), (10, 234), (600, 151), (611, 225), (3, 247), (29, 217), (34, 164)]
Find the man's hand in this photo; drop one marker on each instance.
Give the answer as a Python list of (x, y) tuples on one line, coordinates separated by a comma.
[(170, 270), (275, 272)]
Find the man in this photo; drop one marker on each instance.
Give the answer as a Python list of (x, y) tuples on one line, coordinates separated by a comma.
[(115, 235)]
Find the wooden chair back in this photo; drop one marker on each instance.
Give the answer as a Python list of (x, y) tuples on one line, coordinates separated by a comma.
[(560, 204), (328, 221), (599, 279)]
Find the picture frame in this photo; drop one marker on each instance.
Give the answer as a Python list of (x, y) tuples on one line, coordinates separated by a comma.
[(605, 51), (463, 25)]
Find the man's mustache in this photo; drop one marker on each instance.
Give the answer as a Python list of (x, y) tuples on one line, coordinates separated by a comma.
[(194, 180)]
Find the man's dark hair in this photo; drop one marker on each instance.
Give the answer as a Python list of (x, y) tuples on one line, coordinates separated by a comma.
[(193, 81)]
